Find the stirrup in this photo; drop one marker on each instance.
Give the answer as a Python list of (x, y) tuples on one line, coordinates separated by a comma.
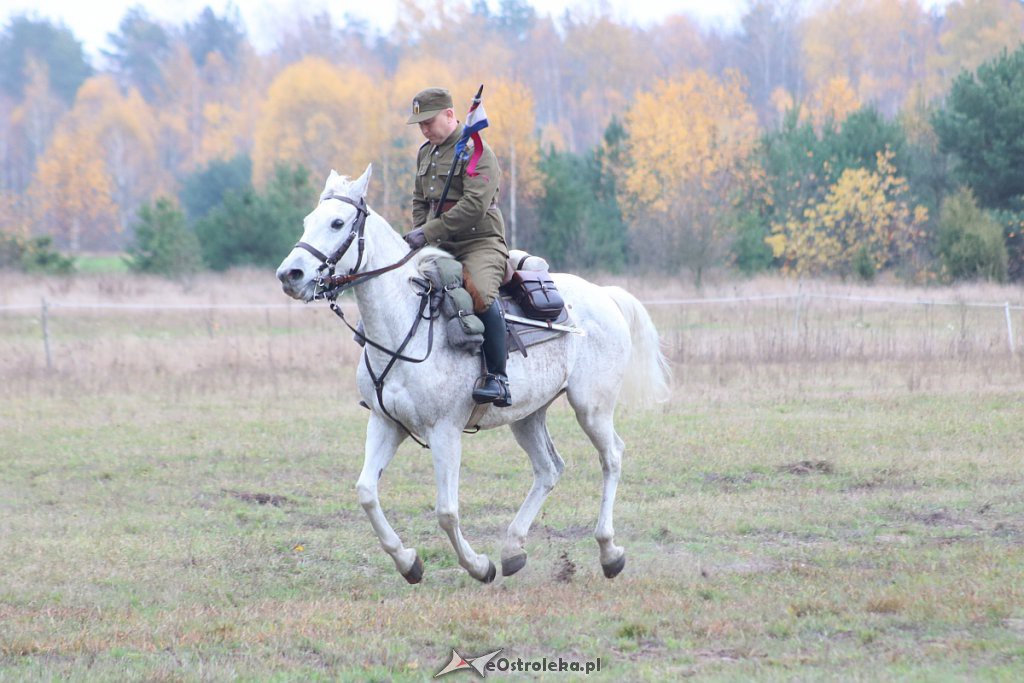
[(493, 390)]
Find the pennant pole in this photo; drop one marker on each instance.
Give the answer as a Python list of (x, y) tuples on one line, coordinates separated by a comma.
[(460, 147)]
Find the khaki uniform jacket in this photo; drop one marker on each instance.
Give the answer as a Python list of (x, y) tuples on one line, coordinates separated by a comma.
[(472, 230)]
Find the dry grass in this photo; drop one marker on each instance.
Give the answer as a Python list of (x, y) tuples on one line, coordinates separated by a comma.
[(176, 501)]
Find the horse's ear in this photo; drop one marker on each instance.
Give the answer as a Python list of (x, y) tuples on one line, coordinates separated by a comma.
[(363, 182), (331, 180)]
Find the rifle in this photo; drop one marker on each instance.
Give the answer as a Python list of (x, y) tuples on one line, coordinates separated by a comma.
[(460, 151)]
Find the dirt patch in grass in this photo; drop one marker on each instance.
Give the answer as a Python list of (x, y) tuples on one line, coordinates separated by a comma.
[(258, 498), (565, 568), (804, 467), (730, 482)]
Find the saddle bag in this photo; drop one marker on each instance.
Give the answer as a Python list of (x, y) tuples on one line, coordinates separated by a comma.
[(535, 291)]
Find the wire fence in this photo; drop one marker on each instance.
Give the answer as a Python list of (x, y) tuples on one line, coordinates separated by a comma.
[(779, 324)]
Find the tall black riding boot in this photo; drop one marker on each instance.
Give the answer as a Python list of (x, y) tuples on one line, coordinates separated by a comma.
[(494, 388)]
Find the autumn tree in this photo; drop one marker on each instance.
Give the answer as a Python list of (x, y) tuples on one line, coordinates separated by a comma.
[(105, 143), (862, 225), (689, 146), (321, 117), (604, 64), (73, 193), (123, 126), (832, 102), (974, 32), (880, 46)]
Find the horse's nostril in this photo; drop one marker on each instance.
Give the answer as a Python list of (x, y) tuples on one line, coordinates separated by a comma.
[(295, 274)]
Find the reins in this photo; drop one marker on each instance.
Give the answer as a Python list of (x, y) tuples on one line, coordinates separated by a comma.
[(329, 286)]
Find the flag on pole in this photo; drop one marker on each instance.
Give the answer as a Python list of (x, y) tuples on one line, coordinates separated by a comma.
[(476, 121)]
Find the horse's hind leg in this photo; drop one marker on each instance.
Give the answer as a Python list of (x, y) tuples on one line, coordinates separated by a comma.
[(446, 447), (596, 421), (382, 440), (532, 435)]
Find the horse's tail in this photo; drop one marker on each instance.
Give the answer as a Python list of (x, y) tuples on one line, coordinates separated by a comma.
[(648, 375)]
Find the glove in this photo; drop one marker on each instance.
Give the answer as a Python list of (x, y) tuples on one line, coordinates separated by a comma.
[(415, 239)]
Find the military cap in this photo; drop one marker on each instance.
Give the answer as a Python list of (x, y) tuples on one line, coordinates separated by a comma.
[(428, 103)]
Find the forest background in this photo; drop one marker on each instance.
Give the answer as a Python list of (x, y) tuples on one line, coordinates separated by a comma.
[(845, 138)]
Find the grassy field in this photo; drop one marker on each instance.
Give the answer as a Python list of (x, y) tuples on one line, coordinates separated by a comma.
[(837, 497)]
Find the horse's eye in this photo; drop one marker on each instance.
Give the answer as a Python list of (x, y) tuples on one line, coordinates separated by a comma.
[(337, 224)]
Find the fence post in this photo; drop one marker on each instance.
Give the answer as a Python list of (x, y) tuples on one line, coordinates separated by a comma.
[(46, 334), (796, 318), (1009, 327)]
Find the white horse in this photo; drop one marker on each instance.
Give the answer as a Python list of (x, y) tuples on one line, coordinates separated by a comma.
[(432, 398)]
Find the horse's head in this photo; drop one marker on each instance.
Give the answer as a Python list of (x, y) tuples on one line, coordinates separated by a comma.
[(329, 236)]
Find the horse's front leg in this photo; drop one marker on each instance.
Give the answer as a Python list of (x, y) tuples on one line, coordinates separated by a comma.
[(446, 447), (382, 440)]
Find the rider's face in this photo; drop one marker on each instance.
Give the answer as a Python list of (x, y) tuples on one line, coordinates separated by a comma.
[(437, 129)]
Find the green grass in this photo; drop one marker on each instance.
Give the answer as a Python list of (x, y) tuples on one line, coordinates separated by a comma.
[(782, 521), (101, 263)]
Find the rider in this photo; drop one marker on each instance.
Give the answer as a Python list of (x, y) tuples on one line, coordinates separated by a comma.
[(470, 226)]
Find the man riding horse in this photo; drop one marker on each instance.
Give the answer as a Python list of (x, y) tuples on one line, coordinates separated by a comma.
[(469, 225)]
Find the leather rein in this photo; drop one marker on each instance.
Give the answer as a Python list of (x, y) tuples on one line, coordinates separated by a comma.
[(329, 286)]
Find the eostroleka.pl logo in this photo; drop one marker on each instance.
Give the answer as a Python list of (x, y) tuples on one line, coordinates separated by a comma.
[(488, 663), (478, 664)]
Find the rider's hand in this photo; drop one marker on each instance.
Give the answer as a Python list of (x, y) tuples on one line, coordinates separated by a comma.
[(415, 239)]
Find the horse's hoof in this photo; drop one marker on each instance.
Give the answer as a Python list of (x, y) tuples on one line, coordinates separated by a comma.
[(491, 573), (415, 573), (513, 564), (612, 570)]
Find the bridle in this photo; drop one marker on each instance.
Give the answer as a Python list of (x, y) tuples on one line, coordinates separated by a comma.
[(329, 286), (325, 284)]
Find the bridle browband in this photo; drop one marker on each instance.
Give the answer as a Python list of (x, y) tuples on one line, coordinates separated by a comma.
[(329, 286)]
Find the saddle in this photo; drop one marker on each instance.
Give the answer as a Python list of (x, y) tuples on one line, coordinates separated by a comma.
[(526, 295)]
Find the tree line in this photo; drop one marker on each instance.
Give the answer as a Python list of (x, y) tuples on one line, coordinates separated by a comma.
[(846, 138)]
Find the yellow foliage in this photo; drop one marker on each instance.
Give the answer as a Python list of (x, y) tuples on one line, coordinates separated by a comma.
[(105, 149), (512, 131), (689, 145), (71, 190), (973, 32), (320, 116), (685, 135), (864, 216), (880, 46), (833, 102)]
